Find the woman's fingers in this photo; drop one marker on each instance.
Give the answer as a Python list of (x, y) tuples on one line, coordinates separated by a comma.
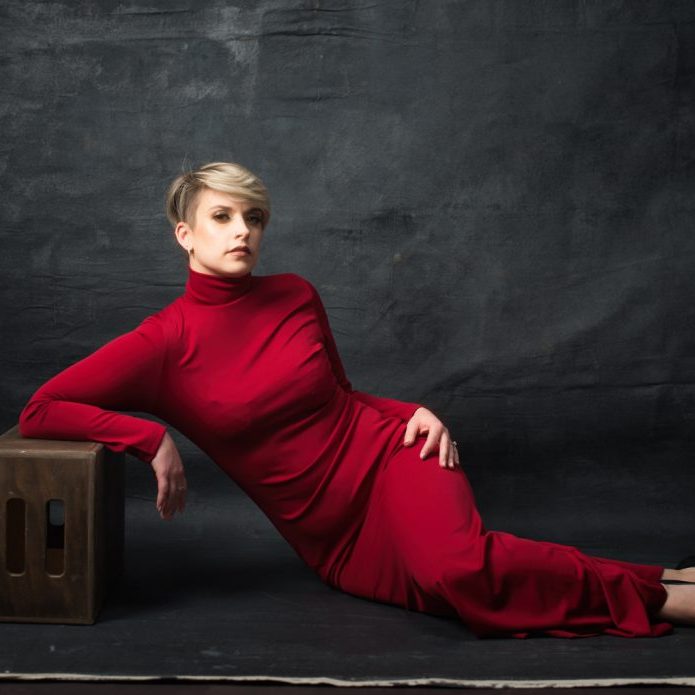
[(432, 437), (171, 496), (453, 453), (171, 478), (444, 449), (442, 436), (448, 453)]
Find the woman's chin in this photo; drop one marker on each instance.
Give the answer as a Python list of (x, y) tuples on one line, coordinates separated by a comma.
[(240, 262), (230, 264)]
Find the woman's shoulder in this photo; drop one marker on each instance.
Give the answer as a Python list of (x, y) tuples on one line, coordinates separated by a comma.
[(284, 282), (165, 324), (287, 291)]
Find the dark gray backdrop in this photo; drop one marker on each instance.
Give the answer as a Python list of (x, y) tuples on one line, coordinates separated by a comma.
[(493, 197)]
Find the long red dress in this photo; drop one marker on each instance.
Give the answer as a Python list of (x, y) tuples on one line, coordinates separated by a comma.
[(248, 370)]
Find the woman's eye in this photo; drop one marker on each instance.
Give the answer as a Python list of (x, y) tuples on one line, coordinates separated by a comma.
[(254, 219)]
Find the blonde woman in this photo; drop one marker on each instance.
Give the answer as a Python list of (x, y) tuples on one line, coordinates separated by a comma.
[(368, 491)]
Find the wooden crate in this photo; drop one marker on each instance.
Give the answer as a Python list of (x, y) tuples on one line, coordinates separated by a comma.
[(57, 567)]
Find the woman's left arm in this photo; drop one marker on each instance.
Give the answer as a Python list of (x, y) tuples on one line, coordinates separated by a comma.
[(419, 419)]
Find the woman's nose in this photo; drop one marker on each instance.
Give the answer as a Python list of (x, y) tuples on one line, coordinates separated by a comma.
[(240, 227)]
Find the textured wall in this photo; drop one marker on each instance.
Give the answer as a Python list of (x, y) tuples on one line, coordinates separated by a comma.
[(494, 197)]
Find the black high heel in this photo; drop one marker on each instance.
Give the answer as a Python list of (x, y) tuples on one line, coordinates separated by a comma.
[(686, 562)]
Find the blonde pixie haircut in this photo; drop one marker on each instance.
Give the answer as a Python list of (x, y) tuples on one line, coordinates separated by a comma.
[(227, 177)]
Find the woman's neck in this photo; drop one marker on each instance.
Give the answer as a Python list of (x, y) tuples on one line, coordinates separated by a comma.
[(204, 288)]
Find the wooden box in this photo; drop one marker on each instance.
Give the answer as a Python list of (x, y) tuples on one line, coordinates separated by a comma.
[(61, 528)]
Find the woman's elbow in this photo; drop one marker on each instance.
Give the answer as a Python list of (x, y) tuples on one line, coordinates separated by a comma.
[(30, 417)]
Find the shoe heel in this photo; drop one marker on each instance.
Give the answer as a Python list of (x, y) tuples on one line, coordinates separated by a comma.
[(686, 562)]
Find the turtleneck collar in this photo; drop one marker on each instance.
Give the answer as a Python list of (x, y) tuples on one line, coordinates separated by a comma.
[(204, 288)]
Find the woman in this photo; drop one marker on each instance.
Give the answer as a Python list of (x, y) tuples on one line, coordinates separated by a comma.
[(367, 490)]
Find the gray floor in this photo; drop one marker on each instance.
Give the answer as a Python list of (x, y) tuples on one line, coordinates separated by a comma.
[(217, 594)]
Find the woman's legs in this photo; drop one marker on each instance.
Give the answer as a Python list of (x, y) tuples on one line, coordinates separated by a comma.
[(423, 546), (684, 575), (680, 603)]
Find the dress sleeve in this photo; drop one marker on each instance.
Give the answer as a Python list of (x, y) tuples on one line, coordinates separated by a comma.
[(386, 406), (78, 403)]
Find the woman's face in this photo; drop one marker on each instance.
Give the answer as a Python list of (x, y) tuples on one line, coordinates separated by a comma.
[(221, 224)]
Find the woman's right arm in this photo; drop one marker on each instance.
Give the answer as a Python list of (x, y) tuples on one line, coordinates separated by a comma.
[(79, 402)]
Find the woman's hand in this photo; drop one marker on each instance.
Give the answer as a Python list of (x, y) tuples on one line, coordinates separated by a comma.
[(171, 481), (424, 420)]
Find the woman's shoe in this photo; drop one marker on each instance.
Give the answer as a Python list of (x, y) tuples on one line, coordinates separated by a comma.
[(686, 562)]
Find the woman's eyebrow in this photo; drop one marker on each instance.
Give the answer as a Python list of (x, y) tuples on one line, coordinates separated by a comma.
[(226, 207)]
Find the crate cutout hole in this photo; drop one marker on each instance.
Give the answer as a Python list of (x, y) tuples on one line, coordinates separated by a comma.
[(15, 535), (55, 537)]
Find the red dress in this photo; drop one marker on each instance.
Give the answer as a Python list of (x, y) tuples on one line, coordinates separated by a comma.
[(248, 370)]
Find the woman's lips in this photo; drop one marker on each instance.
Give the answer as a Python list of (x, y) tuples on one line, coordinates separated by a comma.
[(240, 253)]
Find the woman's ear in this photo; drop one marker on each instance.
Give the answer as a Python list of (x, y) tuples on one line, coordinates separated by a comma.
[(183, 236)]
